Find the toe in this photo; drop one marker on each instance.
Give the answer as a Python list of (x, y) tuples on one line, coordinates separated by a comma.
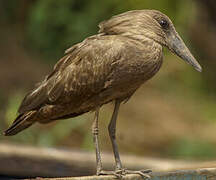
[(114, 173), (146, 171), (142, 173)]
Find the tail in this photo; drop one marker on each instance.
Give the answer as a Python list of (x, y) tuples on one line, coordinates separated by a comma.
[(22, 122)]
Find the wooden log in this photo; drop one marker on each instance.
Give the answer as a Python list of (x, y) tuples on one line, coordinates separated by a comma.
[(25, 161), (198, 174)]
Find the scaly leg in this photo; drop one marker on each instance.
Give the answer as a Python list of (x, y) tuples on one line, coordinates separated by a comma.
[(95, 139), (112, 134), (119, 171), (95, 131)]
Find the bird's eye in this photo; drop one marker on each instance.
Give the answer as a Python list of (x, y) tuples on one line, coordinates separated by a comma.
[(164, 24)]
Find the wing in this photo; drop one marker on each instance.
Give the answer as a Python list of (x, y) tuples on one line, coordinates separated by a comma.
[(83, 71)]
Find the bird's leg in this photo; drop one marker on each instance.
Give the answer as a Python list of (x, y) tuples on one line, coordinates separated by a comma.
[(95, 139), (112, 134), (112, 129), (119, 171), (95, 131)]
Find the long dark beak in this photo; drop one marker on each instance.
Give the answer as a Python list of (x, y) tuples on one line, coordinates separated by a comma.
[(176, 45)]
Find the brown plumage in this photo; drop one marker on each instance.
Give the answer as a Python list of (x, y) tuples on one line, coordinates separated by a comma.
[(109, 66)]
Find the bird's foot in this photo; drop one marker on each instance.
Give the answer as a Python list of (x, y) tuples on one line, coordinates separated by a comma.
[(119, 173), (114, 173), (143, 173)]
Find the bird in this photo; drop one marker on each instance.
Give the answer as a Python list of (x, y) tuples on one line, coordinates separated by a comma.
[(106, 67)]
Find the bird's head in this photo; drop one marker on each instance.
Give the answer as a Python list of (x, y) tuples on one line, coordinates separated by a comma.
[(151, 24)]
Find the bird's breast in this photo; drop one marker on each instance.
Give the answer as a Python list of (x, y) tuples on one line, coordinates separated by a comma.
[(141, 62)]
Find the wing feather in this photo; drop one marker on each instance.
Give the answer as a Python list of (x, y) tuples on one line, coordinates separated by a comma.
[(83, 71)]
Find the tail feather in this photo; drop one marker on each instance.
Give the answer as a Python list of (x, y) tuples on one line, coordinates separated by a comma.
[(22, 122)]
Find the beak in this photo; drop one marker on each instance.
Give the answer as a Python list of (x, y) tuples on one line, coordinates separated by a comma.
[(176, 45)]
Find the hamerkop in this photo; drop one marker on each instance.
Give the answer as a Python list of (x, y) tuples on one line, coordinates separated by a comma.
[(109, 66)]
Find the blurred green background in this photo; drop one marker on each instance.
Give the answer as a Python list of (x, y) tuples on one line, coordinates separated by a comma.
[(173, 115)]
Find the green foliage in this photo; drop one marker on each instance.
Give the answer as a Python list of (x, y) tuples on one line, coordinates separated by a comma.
[(193, 148), (8, 10), (13, 105), (55, 25), (50, 136)]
